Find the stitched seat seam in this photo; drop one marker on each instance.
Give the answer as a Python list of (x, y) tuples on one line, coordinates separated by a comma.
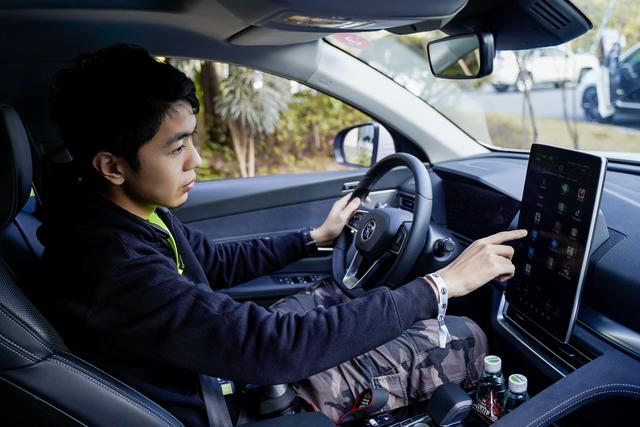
[(107, 387)]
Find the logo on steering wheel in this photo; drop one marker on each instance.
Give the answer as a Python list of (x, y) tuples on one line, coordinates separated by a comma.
[(368, 230)]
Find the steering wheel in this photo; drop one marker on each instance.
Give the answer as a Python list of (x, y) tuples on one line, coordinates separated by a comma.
[(378, 247)]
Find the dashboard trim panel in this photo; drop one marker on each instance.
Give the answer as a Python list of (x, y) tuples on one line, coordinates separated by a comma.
[(504, 323), (610, 330)]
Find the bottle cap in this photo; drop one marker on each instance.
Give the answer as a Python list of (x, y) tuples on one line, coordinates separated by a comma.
[(517, 383), (492, 364)]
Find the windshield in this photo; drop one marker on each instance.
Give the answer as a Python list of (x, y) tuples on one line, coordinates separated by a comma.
[(583, 95)]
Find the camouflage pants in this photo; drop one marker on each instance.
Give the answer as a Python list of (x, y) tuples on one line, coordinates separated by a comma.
[(410, 367)]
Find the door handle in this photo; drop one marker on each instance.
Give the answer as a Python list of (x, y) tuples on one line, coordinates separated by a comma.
[(349, 186)]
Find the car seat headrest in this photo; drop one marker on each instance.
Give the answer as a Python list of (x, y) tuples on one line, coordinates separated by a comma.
[(15, 165)]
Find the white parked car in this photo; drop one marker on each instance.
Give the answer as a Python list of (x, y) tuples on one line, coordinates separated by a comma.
[(618, 84), (552, 65)]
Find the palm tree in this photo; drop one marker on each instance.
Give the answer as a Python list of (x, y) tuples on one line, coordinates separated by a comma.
[(251, 103)]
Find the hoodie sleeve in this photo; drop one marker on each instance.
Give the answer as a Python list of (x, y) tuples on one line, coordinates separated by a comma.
[(230, 263), (190, 326)]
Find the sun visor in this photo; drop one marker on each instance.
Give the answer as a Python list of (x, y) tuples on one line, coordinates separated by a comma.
[(294, 21)]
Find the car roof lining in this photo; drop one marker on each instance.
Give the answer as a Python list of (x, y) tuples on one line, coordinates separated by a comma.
[(516, 24), (38, 37)]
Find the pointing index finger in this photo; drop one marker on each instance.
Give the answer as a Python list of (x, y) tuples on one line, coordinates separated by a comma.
[(504, 236)]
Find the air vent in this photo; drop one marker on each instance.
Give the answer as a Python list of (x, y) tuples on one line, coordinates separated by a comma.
[(549, 14), (407, 203)]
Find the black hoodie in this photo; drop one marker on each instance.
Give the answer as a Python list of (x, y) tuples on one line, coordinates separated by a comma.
[(121, 304)]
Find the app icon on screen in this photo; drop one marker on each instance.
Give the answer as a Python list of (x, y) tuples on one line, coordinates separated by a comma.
[(554, 244), (564, 189), (557, 226), (570, 251), (551, 262), (527, 269), (562, 207), (582, 193), (537, 217), (566, 272), (574, 232), (534, 235), (531, 251)]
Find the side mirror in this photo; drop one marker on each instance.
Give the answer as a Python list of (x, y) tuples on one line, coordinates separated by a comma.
[(362, 145), (465, 56)]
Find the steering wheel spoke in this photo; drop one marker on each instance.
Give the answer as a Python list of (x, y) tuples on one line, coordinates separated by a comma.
[(400, 238), (351, 279)]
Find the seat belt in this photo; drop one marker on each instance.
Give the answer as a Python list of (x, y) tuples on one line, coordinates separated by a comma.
[(217, 410)]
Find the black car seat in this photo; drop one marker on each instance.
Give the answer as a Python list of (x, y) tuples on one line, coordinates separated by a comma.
[(41, 383)]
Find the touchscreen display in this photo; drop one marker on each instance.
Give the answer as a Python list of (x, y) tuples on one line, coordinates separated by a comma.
[(559, 208)]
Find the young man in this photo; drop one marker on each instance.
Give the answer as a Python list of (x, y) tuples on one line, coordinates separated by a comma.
[(137, 292)]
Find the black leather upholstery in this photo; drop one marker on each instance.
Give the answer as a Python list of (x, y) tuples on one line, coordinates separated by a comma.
[(15, 169), (41, 383)]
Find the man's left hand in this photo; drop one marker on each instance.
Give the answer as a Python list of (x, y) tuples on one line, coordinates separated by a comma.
[(335, 221)]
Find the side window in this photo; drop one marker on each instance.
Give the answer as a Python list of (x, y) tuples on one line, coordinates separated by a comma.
[(634, 58), (252, 123)]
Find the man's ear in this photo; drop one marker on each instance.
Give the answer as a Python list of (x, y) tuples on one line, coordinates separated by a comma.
[(110, 167)]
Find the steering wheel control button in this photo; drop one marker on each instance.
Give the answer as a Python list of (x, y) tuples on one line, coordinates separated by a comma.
[(396, 246), (356, 220)]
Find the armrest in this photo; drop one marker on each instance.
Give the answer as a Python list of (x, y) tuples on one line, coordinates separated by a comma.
[(610, 375)]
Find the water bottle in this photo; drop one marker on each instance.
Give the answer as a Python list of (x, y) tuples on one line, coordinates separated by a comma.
[(491, 390), (517, 393)]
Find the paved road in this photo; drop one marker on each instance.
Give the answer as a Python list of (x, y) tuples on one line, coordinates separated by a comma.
[(547, 102)]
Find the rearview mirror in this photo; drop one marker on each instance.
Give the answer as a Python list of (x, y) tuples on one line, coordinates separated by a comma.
[(465, 56), (362, 145)]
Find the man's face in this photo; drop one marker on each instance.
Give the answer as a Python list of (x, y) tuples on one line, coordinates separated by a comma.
[(167, 163)]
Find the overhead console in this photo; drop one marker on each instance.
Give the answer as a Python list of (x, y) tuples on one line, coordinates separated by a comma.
[(520, 24), (298, 21)]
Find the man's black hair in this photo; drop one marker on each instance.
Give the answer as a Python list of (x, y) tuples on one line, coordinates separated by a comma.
[(114, 100)]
